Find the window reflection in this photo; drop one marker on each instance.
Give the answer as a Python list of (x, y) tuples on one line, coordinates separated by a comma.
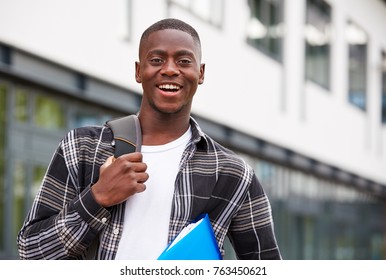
[(19, 190), (316, 218), (3, 102), (265, 27), (87, 118), (357, 44), (208, 10), (22, 174), (317, 35), (21, 105), (38, 175), (49, 113)]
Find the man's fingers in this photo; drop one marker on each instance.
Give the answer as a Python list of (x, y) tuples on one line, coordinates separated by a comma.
[(142, 177), (108, 162), (141, 187), (133, 157)]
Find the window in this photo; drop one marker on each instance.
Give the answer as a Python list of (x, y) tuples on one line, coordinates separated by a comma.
[(82, 117), (3, 102), (19, 189), (49, 113), (5, 54), (265, 26), (209, 10), (21, 112), (317, 36), (38, 175), (357, 44), (317, 218), (24, 190), (41, 116), (384, 87)]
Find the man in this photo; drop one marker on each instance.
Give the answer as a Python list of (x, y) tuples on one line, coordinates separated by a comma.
[(136, 204)]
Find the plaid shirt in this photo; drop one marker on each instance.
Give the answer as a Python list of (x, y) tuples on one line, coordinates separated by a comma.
[(65, 219)]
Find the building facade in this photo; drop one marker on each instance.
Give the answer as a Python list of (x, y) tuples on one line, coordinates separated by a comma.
[(298, 88)]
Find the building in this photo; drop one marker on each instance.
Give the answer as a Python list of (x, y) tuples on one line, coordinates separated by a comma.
[(297, 87)]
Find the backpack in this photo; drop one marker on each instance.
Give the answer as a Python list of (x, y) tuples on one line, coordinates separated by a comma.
[(127, 134)]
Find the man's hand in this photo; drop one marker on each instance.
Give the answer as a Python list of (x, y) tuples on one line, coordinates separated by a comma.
[(119, 179)]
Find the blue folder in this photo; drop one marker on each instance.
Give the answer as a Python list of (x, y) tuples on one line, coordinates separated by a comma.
[(196, 243)]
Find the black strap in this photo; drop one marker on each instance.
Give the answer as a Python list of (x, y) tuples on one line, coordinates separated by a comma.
[(127, 134)]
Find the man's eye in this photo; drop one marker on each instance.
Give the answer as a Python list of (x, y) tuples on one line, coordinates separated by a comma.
[(185, 61), (156, 60)]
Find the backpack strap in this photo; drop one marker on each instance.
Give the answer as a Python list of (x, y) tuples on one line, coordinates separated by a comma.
[(127, 134), (128, 139)]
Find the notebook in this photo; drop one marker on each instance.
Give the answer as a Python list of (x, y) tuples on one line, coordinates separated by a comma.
[(195, 242)]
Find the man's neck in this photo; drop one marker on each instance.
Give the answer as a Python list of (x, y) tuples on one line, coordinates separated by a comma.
[(159, 130)]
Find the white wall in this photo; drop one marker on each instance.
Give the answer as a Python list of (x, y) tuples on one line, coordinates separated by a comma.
[(243, 88), (89, 35)]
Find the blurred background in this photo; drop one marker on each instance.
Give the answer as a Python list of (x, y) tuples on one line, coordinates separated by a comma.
[(297, 87)]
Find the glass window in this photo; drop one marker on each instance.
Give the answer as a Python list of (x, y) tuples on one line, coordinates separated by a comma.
[(5, 54), (384, 87), (38, 175), (81, 118), (316, 218), (209, 10), (357, 68), (19, 191), (317, 35), (377, 245), (49, 113), (305, 227), (3, 113), (21, 111), (265, 26), (344, 242)]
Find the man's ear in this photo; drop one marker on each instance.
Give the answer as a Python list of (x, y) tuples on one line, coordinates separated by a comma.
[(137, 72), (202, 74)]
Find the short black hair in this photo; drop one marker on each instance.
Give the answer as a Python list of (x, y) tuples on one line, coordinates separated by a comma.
[(171, 23)]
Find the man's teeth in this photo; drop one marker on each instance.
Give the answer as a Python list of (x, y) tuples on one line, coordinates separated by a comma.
[(169, 87)]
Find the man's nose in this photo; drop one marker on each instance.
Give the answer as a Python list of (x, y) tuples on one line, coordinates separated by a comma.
[(170, 68)]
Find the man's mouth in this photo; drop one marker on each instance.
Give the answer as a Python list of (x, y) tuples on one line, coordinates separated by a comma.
[(171, 88)]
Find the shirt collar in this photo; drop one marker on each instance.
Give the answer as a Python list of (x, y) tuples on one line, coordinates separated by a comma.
[(198, 136)]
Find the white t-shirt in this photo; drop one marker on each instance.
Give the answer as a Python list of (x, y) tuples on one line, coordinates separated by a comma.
[(147, 214)]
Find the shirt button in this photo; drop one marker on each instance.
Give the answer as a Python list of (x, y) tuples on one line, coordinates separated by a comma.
[(104, 220), (116, 231)]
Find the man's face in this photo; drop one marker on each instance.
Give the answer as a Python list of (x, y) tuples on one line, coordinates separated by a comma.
[(170, 71)]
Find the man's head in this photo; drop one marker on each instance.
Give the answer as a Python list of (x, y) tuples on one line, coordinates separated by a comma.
[(169, 67), (171, 23)]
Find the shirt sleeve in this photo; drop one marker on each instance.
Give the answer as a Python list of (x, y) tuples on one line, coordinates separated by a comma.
[(64, 218), (251, 230)]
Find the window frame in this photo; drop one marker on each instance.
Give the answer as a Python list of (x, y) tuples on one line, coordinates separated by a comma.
[(265, 24), (214, 7), (383, 87), (357, 34)]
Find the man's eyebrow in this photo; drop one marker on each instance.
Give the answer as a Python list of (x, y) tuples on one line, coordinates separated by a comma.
[(185, 52), (157, 51), (177, 53)]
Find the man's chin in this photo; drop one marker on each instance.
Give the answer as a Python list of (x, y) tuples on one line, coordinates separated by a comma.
[(168, 110)]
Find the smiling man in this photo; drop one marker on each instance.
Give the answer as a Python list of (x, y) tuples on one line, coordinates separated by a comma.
[(136, 204)]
